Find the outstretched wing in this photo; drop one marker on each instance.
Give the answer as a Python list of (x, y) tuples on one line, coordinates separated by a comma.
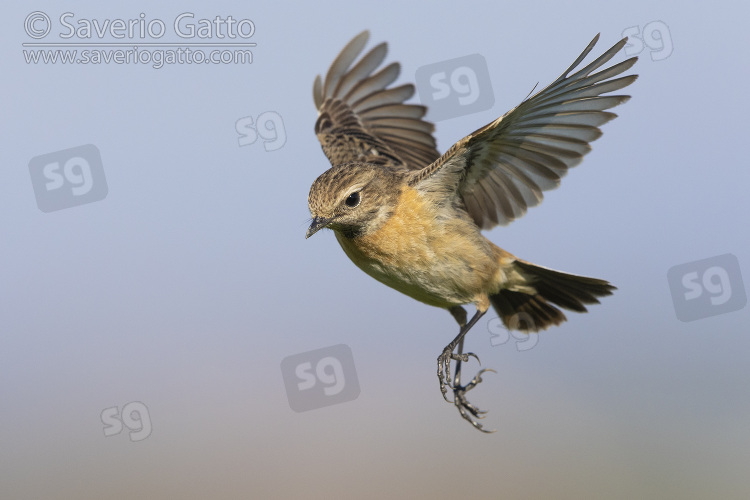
[(361, 119), (502, 169)]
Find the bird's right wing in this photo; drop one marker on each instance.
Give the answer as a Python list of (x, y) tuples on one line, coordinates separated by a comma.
[(501, 169), (360, 119)]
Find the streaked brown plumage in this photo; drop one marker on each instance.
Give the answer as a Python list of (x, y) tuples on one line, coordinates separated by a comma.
[(411, 218)]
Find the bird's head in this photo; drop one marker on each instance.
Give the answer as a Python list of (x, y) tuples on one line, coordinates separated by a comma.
[(352, 199)]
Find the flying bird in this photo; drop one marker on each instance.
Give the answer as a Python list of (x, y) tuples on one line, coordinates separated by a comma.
[(412, 218)]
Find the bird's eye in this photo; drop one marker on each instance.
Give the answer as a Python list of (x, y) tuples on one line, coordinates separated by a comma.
[(353, 200)]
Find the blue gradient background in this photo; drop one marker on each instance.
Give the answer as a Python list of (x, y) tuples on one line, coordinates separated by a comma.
[(186, 287)]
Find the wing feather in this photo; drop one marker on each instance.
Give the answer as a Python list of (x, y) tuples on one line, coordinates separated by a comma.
[(502, 169), (361, 119)]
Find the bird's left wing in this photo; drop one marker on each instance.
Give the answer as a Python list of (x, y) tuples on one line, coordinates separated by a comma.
[(361, 119), (501, 169)]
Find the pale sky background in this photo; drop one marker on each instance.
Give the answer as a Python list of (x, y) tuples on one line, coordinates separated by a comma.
[(189, 283)]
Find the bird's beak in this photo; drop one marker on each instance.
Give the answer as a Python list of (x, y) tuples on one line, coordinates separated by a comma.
[(316, 225)]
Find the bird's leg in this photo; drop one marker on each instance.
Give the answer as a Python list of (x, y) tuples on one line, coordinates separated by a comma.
[(444, 360), (457, 375), (468, 411)]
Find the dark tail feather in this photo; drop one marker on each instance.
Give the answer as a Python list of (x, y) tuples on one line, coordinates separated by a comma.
[(532, 312)]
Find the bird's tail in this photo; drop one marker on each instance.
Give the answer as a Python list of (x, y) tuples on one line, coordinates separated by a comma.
[(530, 307)]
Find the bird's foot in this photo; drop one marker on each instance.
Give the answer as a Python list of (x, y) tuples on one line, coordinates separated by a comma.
[(468, 411), (444, 369)]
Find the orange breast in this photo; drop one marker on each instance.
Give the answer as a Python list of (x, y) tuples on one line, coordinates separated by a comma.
[(433, 258)]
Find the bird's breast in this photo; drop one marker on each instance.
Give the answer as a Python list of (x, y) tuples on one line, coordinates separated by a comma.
[(425, 252)]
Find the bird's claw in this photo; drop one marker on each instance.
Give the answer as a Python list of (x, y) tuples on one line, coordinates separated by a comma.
[(468, 411), (444, 369)]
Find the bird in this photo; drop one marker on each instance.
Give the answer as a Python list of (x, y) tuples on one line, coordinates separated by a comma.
[(412, 218)]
